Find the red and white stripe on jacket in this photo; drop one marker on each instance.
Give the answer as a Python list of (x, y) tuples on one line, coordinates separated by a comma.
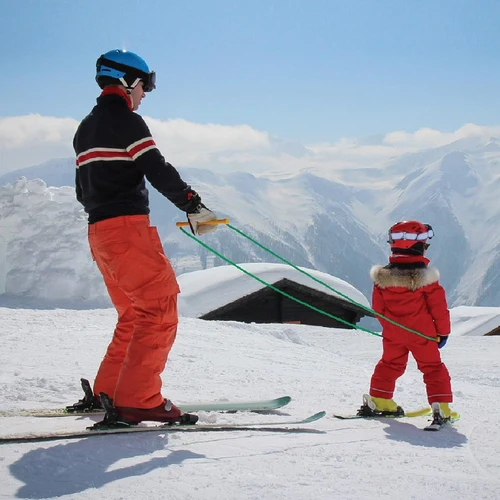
[(131, 153)]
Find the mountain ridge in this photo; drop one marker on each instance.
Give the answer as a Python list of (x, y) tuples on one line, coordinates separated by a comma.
[(340, 227)]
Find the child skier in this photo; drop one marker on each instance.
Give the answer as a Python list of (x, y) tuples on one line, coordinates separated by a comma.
[(407, 292)]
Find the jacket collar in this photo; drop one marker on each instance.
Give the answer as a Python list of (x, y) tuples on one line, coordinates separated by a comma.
[(408, 259), (119, 92)]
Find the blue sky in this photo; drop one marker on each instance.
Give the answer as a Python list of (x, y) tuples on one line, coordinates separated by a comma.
[(305, 70)]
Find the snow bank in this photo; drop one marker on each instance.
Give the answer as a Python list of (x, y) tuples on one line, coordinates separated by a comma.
[(43, 244)]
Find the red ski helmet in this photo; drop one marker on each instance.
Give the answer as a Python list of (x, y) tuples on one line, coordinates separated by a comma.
[(410, 236)]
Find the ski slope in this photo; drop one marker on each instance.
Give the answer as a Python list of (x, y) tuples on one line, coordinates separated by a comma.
[(45, 352)]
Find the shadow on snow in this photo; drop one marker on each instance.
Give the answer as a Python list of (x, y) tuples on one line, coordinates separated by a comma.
[(447, 437), (75, 467)]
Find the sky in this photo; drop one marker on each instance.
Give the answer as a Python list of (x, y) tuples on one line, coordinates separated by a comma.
[(305, 72)]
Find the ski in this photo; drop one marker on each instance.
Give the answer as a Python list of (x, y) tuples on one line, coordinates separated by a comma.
[(433, 427), (437, 426), (408, 414), (87, 406), (439, 421), (229, 406), (274, 426)]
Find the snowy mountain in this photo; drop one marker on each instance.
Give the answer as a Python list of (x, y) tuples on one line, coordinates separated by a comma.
[(333, 221), (313, 217)]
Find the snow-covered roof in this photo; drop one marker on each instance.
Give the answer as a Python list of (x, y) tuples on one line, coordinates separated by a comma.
[(207, 290), (474, 321)]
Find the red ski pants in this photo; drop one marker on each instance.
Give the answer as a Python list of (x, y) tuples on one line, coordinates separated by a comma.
[(142, 286), (393, 365)]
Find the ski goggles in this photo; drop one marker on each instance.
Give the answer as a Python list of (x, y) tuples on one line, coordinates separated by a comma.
[(149, 81), (412, 236)]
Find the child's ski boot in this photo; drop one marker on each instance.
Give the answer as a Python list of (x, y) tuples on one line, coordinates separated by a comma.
[(379, 407), (441, 414)]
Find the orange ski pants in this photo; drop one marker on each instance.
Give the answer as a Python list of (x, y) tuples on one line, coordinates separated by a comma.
[(142, 286)]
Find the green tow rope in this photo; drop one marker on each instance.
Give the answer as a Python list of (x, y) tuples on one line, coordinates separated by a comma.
[(277, 289), (346, 297)]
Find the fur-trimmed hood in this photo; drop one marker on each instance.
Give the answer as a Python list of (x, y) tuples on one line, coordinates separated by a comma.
[(413, 279)]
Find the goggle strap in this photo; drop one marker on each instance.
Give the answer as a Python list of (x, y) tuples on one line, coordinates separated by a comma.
[(102, 61)]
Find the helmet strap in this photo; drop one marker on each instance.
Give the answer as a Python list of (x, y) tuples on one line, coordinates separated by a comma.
[(129, 87)]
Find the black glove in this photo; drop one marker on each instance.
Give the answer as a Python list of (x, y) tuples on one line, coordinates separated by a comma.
[(199, 215), (442, 339)]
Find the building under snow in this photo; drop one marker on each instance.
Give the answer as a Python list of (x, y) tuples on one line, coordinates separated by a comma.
[(475, 321), (229, 294)]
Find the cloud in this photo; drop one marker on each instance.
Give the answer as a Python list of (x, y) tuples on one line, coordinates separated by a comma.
[(192, 144), (18, 132), (32, 139), (426, 138), (397, 143)]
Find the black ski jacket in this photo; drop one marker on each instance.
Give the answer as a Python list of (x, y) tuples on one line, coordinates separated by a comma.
[(114, 154)]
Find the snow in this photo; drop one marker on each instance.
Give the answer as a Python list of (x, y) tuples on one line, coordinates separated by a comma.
[(45, 352), (207, 290), (45, 254)]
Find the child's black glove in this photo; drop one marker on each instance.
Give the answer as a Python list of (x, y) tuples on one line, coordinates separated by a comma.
[(442, 339)]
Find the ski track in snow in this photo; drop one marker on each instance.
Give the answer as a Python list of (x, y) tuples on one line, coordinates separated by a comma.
[(45, 352)]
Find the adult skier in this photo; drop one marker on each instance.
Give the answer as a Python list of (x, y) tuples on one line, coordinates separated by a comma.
[(115, 153)]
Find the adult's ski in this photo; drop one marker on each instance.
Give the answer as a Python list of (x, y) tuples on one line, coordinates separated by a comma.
[(229, 406), (274, 426)]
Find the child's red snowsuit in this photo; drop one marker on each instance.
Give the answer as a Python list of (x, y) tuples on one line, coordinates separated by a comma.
[(414, 298)]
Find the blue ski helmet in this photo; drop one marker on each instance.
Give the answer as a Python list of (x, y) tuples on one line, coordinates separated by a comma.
[(120, 67)]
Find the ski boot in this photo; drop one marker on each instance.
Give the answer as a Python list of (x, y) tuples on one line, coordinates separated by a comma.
[(441, 414), (445, 410), (379, 407), (119, 417), (89, 403), (111, 419)]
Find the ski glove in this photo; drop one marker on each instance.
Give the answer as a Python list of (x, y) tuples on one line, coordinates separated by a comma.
[(201, 214), (442, 339)]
